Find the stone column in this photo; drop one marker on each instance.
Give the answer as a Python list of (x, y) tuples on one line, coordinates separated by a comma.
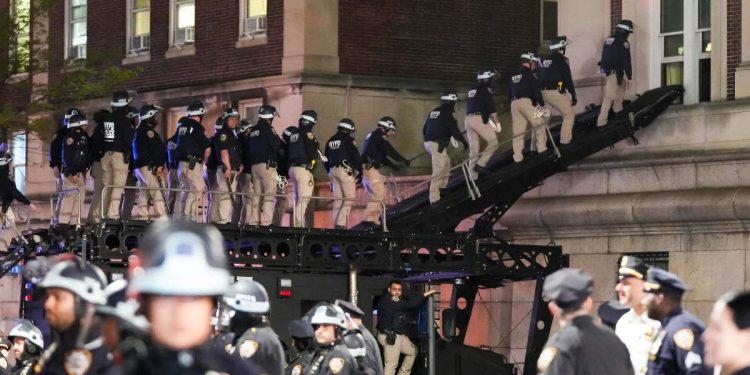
[(311, 36)]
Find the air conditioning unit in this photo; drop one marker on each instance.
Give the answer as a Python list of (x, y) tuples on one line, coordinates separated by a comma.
[(255, 25), (185, 35), (77, 52), (140, 43)]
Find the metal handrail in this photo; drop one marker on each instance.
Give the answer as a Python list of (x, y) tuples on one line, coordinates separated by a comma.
[(240, 193), (380, 201), (27, 220), (52, 217)]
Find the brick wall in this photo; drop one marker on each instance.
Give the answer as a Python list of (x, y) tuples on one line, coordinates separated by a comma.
[(734, 42), (615, 13), (435, 39), (15, 94), (216, 57)]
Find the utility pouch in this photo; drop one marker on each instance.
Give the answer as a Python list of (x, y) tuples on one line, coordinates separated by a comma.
[(390, 338), (272, 164), (192, 160)]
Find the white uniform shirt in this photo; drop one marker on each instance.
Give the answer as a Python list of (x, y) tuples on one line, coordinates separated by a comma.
[(637, 333)]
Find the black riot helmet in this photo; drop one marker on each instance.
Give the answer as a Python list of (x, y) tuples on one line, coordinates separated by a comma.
[(267, 112), (120, 99), (77, 121), (346, 125), (132, 113), (247, 296), (308, 118), (624, 27), (244, 125), (148, 114), (485, 76), (558, 43), (196, 108), (387, 123), (69, 113), (448, 98)]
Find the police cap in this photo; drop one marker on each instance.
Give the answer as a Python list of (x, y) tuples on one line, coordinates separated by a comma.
[(625, 25), (631, 266), (611, 311), (568, 288), (196, 108), (661, 281), (267, 112), (120, 98), (350, 308), (301, 328), (558, 43)]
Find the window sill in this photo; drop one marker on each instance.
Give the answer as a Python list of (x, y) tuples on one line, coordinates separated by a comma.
[(18, 77), (135, 59), (185, 50), (250, 41), (73, 65)]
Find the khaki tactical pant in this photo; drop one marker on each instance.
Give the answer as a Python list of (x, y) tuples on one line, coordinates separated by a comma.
[(264, 182), (250, 213), (613, 96), (476, 129), (222, 202), (344, 186), (303, 184), (147, 179), (213, 207), (173, 182), (95, 208), (70, 201), (193, 181), (392, 353), (115, 172), (441, 166), (522, 113), (563, 104), (374, 182)]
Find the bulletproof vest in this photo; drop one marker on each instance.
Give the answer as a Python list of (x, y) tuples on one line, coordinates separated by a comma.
[(259, 143), (521, 84), (338, 149), (226, 138), (435, 125), (147, 148), (613, 54), (551, 71), (371, 150), (295, 138), (189, 134), (476, 99), (76, 152)]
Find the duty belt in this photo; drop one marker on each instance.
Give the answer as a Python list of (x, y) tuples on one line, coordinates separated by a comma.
[(474, 114)]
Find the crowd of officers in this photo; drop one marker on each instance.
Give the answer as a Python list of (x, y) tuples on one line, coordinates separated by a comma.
[(162, 319), (651, 335)]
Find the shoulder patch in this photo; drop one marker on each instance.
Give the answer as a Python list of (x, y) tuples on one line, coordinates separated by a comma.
[(297, 370), (626, 45), (69, 141), (150, 133), (546, 358), (336, 365), (77, 361), (684, 339), (310, 136), (248, 348), (223, 137)]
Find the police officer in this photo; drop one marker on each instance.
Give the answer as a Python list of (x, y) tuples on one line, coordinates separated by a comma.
[(55, 153), (303, 335), (375, 154), (228, 154), (173, 182), (373, 362), (343, 161), (129, 195), (193, 148), (149, 157), (253, 338), (525, 100), (118, 133), (635, 329), (441, 129), (8, 193), (616, 67), (5, 346), (331, 356), (76, 159), (120, 319), (248, 215), (677, 348), (72, 289), (97, 152), (263, 145), (727, 338), (581, 346), (28, 344), (481, 122), (302, 152), (397, 327), (192, 257), (210, 175), (556, 82)]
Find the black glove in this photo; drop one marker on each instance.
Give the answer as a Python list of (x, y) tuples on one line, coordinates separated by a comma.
[(573, 101), (407, 163)]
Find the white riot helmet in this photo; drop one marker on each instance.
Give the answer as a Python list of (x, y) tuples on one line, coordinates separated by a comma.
[(182, 259), (80, 278), (28, 332), (5, 155), (329, 314), (247, 296)]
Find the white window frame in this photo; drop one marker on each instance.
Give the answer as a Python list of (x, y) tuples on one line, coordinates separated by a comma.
[(691, 49), (19, 149), (69, 31), (243, 105), (244, 15), (173, 19), (173, 116), (129, 50)]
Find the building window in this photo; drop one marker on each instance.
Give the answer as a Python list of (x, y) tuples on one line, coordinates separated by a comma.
[(21, 23), (18, 149), (174, 115), (249, 109), (183, 22), (139, 27), (685, 47), (549, 20), (253, 18), (76, 31)]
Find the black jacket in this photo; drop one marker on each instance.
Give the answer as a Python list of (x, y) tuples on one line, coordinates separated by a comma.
[(399, 316), (118, 132), (616, 56), (148, 148), (340, 150), (441, 125), (55, 148), (9, 192), (76, 152), (302, 147), (377, 150), (262, 143), (479, 100), (191, 140), (555, 74), (523, 84)]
